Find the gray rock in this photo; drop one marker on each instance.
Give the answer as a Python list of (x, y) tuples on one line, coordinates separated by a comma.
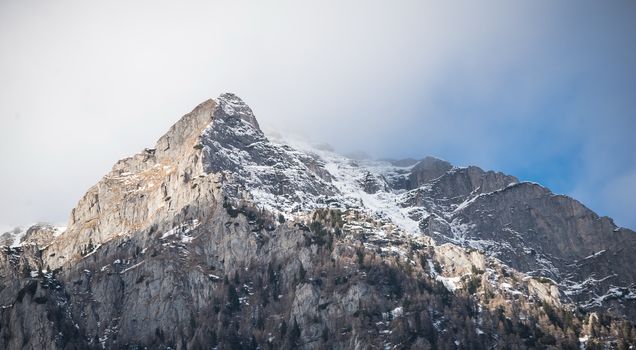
[(217, 237), (426, 170)]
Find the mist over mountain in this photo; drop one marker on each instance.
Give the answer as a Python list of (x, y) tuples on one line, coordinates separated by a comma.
[(222, 237)]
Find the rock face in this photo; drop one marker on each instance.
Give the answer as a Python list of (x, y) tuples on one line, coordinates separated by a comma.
[(426, 170), (221, 238)]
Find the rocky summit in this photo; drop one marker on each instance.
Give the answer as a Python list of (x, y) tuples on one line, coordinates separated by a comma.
[(220, 237)]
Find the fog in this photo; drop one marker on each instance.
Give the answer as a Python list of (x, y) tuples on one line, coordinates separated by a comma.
[(543, 90)]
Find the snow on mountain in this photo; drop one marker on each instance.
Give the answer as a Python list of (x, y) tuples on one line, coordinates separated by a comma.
[(349, 177), (296, 229), (429, 199), (18, 236)]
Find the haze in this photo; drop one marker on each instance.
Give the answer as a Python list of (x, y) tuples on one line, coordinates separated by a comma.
[(542, 90)]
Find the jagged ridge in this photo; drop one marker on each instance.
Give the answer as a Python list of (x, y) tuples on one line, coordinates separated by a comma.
[(349, 243)]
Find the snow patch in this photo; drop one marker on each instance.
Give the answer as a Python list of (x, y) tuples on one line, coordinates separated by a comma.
[(132, 267)]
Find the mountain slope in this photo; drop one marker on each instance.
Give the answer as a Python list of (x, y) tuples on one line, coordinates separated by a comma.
[(219, 236)]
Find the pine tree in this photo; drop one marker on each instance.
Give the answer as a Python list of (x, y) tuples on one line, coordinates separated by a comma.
[(233, 300), (294, 335), (283, 328), (301, 273)]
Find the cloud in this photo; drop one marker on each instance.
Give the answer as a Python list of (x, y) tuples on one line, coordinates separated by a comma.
[(541, 90)]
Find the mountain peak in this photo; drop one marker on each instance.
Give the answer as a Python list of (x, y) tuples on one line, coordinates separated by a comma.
[(190, 130), (428, 169), (216, 200), (233, 106)]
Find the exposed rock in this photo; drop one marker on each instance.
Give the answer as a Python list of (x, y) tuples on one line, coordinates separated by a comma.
[(6, 239), (426, 170), (220, 237), (41, 234)]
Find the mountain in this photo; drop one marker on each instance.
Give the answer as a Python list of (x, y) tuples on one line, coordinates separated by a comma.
[(220, 237)]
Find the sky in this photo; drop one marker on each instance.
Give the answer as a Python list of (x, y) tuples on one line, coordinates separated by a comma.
[(543, 90)]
